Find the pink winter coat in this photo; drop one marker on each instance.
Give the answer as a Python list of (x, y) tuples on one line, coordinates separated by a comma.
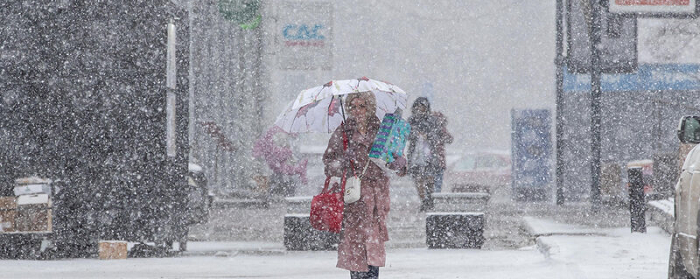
[(364, 222)]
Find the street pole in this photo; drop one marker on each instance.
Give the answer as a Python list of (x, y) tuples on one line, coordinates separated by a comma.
[(595, 102), (559, 61)]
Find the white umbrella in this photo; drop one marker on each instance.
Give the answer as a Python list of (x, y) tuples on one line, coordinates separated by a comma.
[(318, 109)]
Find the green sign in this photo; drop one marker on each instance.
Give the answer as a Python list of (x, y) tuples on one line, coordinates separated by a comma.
[(242, 12)]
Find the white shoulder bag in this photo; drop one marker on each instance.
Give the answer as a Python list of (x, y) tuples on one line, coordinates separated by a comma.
[(352, 187)]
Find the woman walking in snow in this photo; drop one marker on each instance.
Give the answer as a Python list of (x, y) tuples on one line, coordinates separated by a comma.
[(361, 249)]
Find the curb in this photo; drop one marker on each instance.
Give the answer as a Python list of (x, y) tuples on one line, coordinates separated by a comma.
[(233, 248), (233, 253), (543, 246)]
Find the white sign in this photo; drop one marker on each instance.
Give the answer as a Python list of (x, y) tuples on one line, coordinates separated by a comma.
[(680, 7), (304, 36)]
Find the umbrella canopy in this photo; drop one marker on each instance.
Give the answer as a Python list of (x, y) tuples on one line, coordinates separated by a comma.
[(318, 109)]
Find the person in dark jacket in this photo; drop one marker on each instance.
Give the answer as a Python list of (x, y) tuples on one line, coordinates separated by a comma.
[(425, 141)]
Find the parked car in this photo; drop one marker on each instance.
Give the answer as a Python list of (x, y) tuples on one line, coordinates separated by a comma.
[(479, 171), (684, 261)]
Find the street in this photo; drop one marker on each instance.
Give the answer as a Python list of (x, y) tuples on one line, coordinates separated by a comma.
[(610, 253)]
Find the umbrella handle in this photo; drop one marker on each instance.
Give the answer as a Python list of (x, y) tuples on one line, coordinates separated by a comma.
[(325, 185), (342, 112), (345, 148)]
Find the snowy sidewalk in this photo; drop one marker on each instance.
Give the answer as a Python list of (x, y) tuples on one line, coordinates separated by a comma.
[(601, 252), (572, 252)]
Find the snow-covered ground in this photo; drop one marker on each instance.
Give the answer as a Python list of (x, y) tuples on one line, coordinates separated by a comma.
[(563, 251), (403, 263), (618, 254), (602, 252)]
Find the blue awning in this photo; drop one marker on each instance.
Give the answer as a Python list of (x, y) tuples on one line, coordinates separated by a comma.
[(649, 77)]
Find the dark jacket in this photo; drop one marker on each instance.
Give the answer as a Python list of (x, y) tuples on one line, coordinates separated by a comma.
[(436, 134), (446, 139)]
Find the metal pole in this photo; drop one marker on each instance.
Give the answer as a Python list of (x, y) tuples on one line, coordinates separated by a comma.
[(191, 82), (559, 63), (595, 102), (637, 200)]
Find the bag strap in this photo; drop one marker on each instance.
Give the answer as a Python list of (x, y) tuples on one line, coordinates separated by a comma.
[(344, 178), (363, 170), (325, 185), (352, 166), (345, 145)]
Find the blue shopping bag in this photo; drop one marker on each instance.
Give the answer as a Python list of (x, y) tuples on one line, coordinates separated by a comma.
[(391, 139)]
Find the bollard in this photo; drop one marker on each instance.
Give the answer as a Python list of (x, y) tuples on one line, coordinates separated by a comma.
[(638, 205)]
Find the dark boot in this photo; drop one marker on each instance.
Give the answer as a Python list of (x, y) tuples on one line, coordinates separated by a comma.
[(373, 273)]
